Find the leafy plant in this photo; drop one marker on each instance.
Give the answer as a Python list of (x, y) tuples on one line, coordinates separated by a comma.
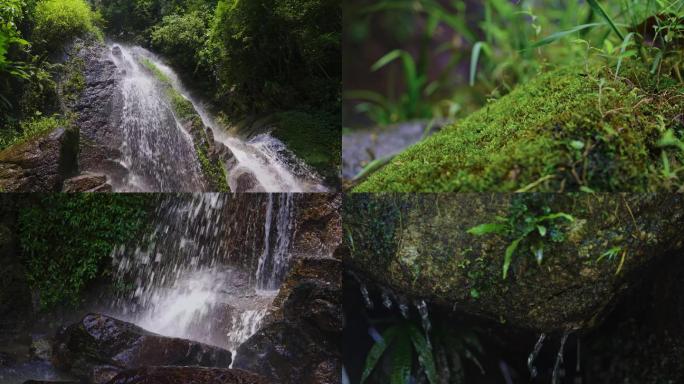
[(523, 225), (66, 239), (58, 21), (399, 342)]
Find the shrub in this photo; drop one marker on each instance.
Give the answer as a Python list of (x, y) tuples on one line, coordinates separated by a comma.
[(180, 37), (30, 129), (66, 239), (58, 21)]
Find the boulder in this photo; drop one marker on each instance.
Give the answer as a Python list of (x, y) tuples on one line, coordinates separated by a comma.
[(419, 246), (246, 182), (186, 375), (98, 347), (40, 164), (87, 182), (300, 339)]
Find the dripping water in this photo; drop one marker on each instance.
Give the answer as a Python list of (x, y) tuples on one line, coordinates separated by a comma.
[(533, 355), (559, 359), (274, 261), (366, 296)]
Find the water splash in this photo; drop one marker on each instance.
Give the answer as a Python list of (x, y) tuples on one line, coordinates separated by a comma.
[(533, 355), (187, 280), (262, 157), (559, 359)]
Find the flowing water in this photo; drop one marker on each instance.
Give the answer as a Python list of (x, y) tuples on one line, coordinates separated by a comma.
[(190, 275), (159, 154)]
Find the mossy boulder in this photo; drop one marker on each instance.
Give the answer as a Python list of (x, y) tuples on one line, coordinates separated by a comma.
[(419, 246), (566, 130)]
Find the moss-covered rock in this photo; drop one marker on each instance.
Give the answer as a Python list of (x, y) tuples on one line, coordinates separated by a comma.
[(419, 245), (566, 130)]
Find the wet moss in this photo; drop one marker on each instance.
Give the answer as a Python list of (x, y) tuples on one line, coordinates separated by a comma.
[(566, 130)]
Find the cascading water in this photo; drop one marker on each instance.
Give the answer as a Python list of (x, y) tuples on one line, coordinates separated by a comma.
[(157, 152), (186, 280), (157, 162), (275, 258)]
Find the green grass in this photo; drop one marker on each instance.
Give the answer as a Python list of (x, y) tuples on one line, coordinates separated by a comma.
[(566, 130), (214, 171), (31, 129)]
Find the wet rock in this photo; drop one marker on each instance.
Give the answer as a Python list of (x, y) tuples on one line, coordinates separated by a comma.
[(50, 382), (319, 225), (99, 111), (222, 152), (99, 346), (300, 341), (41, 164), (186, 375), (246, 182), (116, 50), (87, 182), (418, 246), (363, 146), (41, 349)]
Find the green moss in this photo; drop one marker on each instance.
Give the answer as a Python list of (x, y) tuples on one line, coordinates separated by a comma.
[(213, 170), (566, 130)]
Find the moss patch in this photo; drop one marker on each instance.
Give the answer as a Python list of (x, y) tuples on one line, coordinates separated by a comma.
[(566, 130)]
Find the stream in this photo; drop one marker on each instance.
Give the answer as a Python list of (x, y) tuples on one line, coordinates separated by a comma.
[(158, 153)]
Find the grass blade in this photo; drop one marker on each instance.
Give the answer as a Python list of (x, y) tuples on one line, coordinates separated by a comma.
[(559, 35), (508, 257), (625, 43), (599, 9), (474, 59), (377, 351)]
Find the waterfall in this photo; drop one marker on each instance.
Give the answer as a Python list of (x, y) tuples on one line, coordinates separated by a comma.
[(156, 151), (159, 154), (274, 261), (187, 276)]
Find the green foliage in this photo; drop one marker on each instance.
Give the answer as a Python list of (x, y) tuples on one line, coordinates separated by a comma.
[(180, 38), (30, 129), (276, 54), (59, 21), (526, 224), (313, 136), (400, 341), (66, 239), (511, 44), (73, 79)]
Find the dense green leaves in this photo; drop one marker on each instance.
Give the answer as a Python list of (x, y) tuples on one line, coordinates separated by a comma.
[(58, 21), (66, 239)]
